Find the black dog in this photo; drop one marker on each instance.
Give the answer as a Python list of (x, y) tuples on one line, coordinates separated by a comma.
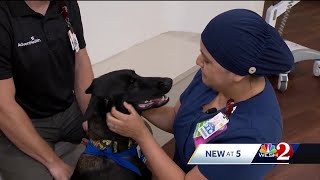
[(110, 90)]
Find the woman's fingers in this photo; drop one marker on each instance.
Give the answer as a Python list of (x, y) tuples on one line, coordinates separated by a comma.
[(130, 108), (128, 125), (112, 122), (117, 114)]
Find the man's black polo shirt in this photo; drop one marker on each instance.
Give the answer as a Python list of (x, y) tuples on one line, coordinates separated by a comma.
[(35, 50)]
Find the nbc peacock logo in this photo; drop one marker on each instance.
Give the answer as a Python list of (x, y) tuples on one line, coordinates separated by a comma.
[(268, 150)]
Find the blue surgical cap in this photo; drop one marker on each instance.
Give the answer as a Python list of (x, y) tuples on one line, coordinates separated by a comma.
[(243, 43)]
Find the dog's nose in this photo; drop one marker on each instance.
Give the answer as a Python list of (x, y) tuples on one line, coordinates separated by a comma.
[(167, 83)]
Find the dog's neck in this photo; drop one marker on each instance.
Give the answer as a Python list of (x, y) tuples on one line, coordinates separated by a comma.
[(98, 131), (118, 105)]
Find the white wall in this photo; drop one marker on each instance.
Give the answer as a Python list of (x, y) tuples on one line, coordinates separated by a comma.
[(193, 16), (113, 26)]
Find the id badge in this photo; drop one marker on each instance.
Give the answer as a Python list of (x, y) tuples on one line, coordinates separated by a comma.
[(200, 140), (210, 128), (213, 125), (74, 41), (141, 155)]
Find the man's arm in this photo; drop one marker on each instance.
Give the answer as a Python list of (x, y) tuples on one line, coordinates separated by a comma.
[(163, 117), (17, 126), (83, 78), (14, 122)]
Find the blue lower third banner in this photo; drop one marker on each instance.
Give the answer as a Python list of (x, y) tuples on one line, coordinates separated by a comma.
[(268, 153)]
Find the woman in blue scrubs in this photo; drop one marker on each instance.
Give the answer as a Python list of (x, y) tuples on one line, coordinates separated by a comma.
[(238, 49)]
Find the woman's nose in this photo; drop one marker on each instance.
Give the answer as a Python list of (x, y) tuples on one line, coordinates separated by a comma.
[(199, 61)]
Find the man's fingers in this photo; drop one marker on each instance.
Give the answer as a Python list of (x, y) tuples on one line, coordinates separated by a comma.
[(85, 126), (84, 141)]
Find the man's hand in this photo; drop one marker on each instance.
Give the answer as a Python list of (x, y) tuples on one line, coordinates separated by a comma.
[(60, 170), (17, 126), (85, 126), (85, 141)]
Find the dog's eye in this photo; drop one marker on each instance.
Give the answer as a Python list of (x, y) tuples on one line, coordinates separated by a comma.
[(132, 81)]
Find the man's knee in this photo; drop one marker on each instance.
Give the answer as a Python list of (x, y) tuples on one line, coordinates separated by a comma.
[(14, 164), (25, 170), (26, 175)]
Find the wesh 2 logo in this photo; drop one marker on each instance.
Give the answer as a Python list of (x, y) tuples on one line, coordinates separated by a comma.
[(282, 151)]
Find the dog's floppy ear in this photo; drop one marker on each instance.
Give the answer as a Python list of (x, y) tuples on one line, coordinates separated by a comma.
[(90, 88)]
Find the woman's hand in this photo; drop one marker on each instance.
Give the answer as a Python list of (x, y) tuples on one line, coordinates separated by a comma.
[(129, 125)]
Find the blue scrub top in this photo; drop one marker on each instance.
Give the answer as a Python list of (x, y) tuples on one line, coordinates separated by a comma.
[(256, 120)]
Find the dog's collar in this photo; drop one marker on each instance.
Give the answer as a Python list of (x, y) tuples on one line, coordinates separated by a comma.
[(105, 143), (101, 144), (118, 158)]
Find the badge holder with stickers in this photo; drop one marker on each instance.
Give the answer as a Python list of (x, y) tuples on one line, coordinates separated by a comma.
[(208, 129), (71, 34)]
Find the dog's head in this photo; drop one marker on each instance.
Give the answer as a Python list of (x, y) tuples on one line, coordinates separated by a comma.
[(113, 88)]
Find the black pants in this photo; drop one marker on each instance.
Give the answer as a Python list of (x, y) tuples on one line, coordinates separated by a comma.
[(65, 126)]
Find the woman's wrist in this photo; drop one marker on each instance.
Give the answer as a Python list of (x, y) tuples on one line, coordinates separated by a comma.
[(142, 135)]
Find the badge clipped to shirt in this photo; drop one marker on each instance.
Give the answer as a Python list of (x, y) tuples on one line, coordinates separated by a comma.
[(141, 155), (197, 135), (74, 41), (213, 125), (208, 129)]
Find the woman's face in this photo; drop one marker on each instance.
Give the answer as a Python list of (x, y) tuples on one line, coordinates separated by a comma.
[(213, 75)]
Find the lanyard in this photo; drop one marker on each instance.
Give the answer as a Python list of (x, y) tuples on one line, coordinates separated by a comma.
[(65, 14), (229, 107), (71, 34)]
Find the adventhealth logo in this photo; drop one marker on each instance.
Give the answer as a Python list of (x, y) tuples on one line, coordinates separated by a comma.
[(268, 150), (33, 41)]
